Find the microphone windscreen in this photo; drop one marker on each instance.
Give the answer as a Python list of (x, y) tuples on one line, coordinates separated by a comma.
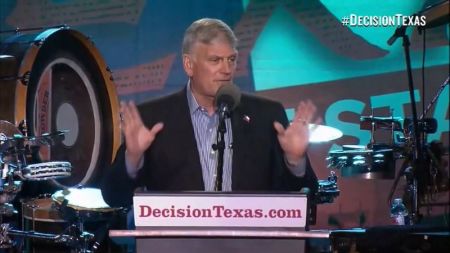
[(229, 95)]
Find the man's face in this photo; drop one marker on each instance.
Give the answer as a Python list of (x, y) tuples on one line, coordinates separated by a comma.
[(210, 66)]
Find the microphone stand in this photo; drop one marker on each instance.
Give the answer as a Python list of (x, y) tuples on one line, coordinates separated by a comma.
[(219, 146), (417, 158)]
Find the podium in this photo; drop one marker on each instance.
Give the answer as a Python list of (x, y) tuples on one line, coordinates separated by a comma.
[(219, 222)]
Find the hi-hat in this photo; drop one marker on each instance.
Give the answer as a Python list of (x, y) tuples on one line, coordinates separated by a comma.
[(322, 133)]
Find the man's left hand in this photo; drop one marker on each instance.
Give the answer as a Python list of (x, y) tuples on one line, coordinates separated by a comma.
[(294, 139)]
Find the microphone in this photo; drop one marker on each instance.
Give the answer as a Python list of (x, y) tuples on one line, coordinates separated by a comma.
[(399, 32), (227, 99)]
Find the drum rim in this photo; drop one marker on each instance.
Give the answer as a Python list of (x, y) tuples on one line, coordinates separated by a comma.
[(96, 107)]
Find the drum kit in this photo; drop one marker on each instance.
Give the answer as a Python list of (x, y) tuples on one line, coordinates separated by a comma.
[(34, 64), (377, 160), (69, 209)]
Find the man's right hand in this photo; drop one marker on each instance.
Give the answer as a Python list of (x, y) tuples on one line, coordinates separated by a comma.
[(138, 137)]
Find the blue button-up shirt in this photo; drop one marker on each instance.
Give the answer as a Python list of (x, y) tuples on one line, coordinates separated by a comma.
[(205, 129)]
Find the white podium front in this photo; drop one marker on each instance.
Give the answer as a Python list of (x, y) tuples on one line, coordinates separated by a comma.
[(220, 222)]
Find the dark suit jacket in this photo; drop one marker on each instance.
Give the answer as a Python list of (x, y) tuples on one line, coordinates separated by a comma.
[(172, 162)]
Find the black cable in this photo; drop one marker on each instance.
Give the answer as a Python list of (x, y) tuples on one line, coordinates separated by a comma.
[(423, 68)]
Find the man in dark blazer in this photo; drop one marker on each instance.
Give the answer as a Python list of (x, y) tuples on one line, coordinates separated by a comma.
[(165, 149)]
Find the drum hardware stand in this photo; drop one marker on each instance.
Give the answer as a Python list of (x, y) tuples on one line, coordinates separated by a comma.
[(8, 190), (5, 240), (78, 238), (75, 238), (392, 123), (24, 79), (328, 189), (82, 240), (13, 160)]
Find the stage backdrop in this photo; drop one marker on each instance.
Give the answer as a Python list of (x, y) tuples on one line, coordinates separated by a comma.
[(290, 50)]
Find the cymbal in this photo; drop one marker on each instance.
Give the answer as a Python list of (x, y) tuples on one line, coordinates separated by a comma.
[(322, 133), (44, 139), (436, 14), (358, 151), (8, 129)]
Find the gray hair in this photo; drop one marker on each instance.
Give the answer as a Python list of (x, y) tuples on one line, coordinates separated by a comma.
[(206, 30)]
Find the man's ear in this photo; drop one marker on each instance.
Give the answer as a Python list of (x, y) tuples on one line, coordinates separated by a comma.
[(187, 64)]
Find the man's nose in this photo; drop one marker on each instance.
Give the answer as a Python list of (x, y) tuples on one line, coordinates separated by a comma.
[(227, 66)]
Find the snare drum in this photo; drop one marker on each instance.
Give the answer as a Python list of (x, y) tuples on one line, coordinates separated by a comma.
[(41, 209), (46, 171), (54, 214), (42, 215), (83, 204)]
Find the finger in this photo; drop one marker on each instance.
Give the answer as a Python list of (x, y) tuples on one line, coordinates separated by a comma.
[(318, 121), (278, 127), (124, 116), (299, 111), (123, 123), (303, 112), (134, 112), (122, 109), (125, 111), (298, 121), (310, 111), (157, 128), (306, 111)]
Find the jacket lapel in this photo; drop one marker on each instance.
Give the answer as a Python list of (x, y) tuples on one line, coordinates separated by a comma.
[(241, 125), (187, 140)]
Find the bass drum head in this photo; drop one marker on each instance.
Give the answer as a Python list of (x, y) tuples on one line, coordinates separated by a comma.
[(68, 90)]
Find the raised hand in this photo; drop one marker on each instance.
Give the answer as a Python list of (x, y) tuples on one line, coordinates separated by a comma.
[(138, 137), (294, 139)]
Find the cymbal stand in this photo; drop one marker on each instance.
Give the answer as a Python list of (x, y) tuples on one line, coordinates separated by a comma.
[(372, 131), (392, 140), (433, 101), (431, 163), (417, 157)]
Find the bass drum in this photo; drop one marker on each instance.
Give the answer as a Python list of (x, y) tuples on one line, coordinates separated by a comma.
[(62, 83)]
